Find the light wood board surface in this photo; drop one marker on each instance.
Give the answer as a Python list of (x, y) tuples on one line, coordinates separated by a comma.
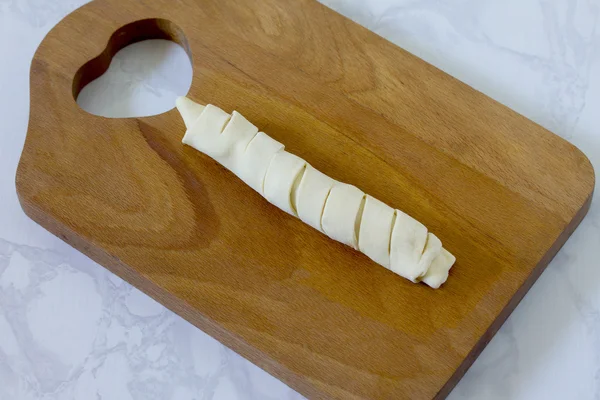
[(502, 193)]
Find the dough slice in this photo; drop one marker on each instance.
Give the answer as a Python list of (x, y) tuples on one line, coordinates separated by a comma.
[(204, 133), (375, 231), (311, 194), (409, 237), (439, 269), (340, 214), (283, 171), (254, 162), (189, 110)]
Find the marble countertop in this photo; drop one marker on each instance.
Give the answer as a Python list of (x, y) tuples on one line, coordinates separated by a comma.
[(69, 329)]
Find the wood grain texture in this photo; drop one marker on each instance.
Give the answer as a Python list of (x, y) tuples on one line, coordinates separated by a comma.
[(502, 193)]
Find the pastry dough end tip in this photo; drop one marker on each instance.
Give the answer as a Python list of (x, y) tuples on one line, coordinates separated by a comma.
[(189, 110)]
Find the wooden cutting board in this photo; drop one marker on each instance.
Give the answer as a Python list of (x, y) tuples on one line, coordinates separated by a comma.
[(502, 193)]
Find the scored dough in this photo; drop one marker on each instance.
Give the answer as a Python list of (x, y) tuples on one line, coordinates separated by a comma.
[(408, 240), (204, 133), (439, 269), (279, 180), (341, 209), (234, 140), (311, 195), (375, 231), (254, 162), (433, 247), (343, 212), (226, 146)]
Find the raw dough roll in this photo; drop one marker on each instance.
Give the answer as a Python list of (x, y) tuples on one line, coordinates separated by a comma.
[(376, 225), (285, 169), (313, 190), (343, 212), (253, 163)]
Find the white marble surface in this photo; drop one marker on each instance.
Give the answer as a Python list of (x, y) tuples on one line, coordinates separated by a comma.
[(71, 330)]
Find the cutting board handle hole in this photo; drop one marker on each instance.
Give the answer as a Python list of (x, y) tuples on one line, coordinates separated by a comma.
[(144, 79)]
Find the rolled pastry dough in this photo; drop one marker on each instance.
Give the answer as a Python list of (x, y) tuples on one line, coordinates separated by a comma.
[(189, 110), (206, 129), (343, 212), (439, 269), (234, 141), (408, 240), (375, 230), (311, 194), (433, 248), (253, 163), (285, 168)]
